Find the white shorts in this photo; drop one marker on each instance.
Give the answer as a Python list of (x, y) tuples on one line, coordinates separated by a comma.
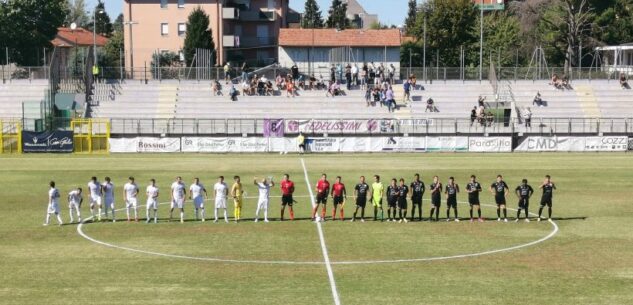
[(262, 204), (109, 202), (152, 204), (178, 203), (74, 205), (198, 202), (220, 203), (95, 200), (53, 208), (131, 203)]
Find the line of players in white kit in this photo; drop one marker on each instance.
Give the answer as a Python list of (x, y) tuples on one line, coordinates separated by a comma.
[(101, 197)]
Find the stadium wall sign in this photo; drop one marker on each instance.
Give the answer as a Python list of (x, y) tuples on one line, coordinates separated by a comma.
[(490, 144), (219, 145), (59, 141), (447, 143), (336, 126), (576, 144), (145, 145)]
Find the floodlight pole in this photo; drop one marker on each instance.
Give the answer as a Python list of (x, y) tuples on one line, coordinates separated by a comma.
[(481, 40)]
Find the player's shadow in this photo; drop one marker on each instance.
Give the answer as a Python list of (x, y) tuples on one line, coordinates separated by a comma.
[(569, 218)]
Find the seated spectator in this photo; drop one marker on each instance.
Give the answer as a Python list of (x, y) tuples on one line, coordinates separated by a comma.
[(490, 118), (217, 88), (335, 90), (261, 88), (290, 89), (430, 105), (623, 81), (538, 101), (253, 86), (301, 82), (565, 83), (268, 87), (321, 83), (246, 88), (480, 101), (556, 82), (233, 93), (473, 115)]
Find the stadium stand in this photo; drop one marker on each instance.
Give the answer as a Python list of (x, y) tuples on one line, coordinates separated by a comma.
[(13, 94)]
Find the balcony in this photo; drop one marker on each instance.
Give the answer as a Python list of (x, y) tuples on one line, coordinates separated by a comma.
[(232, 41), (257, 16), (230, 13)]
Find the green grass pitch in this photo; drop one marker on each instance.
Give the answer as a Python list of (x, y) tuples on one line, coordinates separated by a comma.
[(588, 261)]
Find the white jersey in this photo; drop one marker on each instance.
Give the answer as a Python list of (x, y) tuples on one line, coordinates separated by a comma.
[(151, 191), (264, 190), (108, 191), (220, 191), (95, 189), (131, 190), (178, 190), (196, 190), (53, 194), (74, 196)]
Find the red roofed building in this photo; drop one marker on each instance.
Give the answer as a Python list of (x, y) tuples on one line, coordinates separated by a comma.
[(75, 42), (315, 51)]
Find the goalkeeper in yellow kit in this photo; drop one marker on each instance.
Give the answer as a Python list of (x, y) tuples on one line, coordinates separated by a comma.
[(236, 192)]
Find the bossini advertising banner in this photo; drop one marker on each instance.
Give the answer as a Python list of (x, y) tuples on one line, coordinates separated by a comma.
[(47, 142), (220, 145), (578, 144), (490, 144), (144, 145)]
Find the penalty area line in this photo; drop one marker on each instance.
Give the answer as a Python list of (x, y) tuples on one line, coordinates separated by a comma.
[(326, 257)]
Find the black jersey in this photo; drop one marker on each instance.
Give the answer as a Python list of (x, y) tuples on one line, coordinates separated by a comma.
[(417, 189), (404, 191), (439, 189), (499, 188), (474, 188), (361, 190), (393, 192), (548, 189), (451, 190), (524, 190)]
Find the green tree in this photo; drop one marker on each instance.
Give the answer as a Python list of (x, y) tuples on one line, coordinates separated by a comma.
[(112, 54), (198, 35), (77, 13), (103, 23), (28, 26), (117, 26), (312, 18), (409, 22), (410, 51), (501, 38), (449, 26), (337, 17), (614, 25)]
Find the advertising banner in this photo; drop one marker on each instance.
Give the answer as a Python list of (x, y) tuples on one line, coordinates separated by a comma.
[(47, 142), (446, 144), (606, 143), (274, 128), (402, 144), (490, 144), (579, 144), (322, 144), (145, 145), (222, 145), (631, 144), (337, 126)]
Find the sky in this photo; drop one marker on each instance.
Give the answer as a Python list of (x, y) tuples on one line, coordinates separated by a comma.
[(389, 11)]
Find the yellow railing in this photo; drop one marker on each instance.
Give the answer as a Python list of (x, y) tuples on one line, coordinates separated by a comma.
[(91, 135), (10, 137)]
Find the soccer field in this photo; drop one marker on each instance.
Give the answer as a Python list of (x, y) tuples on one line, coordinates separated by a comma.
[(583, 257)]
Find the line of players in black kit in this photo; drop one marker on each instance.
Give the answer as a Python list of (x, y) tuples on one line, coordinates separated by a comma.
[(398, 192)]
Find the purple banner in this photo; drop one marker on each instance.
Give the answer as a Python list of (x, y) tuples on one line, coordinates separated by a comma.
[(274, 128), (337, 126)]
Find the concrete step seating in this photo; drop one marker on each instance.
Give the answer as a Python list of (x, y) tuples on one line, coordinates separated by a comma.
[(14, 93)]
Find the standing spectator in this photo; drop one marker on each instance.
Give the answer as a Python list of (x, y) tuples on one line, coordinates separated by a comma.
[(332, 73), (480, 101), (473, 116), (527, 116), (368, 96), (392, 73), (348, 77), (372, 73), (407, 91), (244, 68), (363, 77), (290, 89), (339, 72), (227, 72), (233, 93), (414, 82), (295, 72), (623, 81), (354, 71), (391, 101)]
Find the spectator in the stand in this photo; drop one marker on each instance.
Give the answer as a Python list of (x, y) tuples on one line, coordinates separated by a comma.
[(413, 81), (407, 90), (339, 72), (244, 68), (335, 90), (480, 101), (377, 80), (312, 82), (381, 71), (233, 93), (278, 81), (332, 73), (556, 82), (527, 117), (481, 112), (490, 118), (538, 101), (295, 72), (391, 101), (364, 74), (372, 73), (227, 72), (473, 115), (368, 94), (217, 88), (246, 88), (268, 87), (623, 81), (348, 77), (321, 83), (354, 75), (290, 88), (392, 73), (301, 82), (376, 95), (430, 105)]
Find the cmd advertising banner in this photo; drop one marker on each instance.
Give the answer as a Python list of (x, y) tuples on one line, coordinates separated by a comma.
[(59, 141)]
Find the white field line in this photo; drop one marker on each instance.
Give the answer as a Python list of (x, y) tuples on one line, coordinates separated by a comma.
[(326, 257)]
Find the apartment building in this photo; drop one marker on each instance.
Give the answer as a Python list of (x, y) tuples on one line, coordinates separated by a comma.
[(241, 29)]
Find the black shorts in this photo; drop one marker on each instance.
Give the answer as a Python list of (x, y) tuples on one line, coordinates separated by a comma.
[(392, 202), (321, 198), (361, 202), (286, 200), (473, 201), (451, 201), (546, 201), (338, 200), (402, 204), (500, 200), (416, 200), (524, 202), (436, 201)]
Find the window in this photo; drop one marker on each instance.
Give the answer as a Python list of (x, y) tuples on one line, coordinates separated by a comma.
[(163, 3), (182, 29), (164, 29), (181, 3)]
